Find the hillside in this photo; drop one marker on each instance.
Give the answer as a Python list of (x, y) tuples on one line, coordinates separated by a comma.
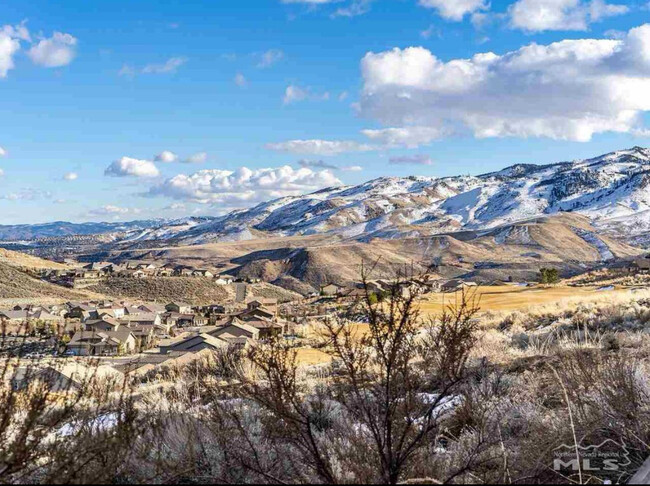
[(22, 260), (610, 189), (566, 241), (197, 291), (15, 284)]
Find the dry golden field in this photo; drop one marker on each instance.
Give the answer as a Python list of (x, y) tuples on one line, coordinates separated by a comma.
[(509, 297)]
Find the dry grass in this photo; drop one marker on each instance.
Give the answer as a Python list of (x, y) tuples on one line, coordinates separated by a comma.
[(510, 298), (310, 356)]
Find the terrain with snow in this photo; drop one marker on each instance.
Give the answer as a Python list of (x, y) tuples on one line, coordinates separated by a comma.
[(612, 190)]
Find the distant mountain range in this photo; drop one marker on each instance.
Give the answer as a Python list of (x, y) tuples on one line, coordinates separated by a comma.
[(60, 229), (612, 190)]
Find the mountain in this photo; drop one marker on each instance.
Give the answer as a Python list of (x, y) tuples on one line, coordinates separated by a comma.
[(131, 229), (612, 190)]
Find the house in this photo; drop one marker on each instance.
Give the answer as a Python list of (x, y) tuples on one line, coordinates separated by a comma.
[(142, 319), (152, 308), (145, 336), (179, 307), (223, 280), (185, 272), (14, 316), (203, 273), (101, 343), (269, 304), (115, 310), (257, 313), (455, 285), (642, 263), (331, 289), (193, 343), (267, 328), (105, 324), (236, 329), (83, 312)]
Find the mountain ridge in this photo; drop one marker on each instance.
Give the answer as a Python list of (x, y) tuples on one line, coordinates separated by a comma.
[(611, 189)]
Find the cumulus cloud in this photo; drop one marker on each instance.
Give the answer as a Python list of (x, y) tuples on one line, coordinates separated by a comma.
[(166, 157), (419, 159), (171, 65), (3, 152), (197, 158), (540, 15), (319, 147), (2, 172), (70, 176), (244, 186), (269, 58), (294, 94), (56, 51), (10, 38), (409, 137), (455, 9), (130, 167), (568, 90)]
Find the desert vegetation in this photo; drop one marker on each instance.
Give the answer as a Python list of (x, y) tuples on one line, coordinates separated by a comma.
[(462, 396)]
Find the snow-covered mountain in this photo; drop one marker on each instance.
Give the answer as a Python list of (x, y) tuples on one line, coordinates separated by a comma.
[(612, 189)]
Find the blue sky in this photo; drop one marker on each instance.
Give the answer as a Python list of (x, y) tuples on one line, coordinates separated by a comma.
[(92, 92)]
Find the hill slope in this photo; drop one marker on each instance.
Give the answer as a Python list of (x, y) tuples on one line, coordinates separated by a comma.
[(611, 187)]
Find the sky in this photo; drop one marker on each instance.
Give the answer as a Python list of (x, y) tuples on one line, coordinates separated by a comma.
[(135, 110)]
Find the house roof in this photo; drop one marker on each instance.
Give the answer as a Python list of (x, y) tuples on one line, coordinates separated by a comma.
[(179, 304)]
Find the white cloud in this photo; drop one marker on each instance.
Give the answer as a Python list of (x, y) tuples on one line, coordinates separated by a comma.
[(70, 176), (294, 94), (455, 9), (244, 186), (316, 164), (166, 157), (2, 172), (197, 158), (56, 51), (540, 15), (9, 46), (320, 147), (171, 65), (175, 207), (19, 31), (567, 90), (352, 168), (127, 166), (355, 8), (115, 211), (269, 58), (409, 137), (419, 159), (27, 194), (240, 80), (3, 152)]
